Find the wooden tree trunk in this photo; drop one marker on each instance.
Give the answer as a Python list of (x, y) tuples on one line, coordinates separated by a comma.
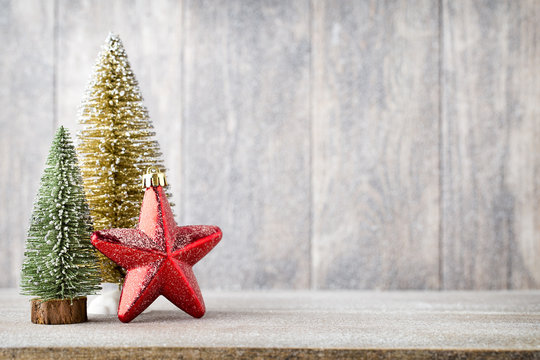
[(61, 311)]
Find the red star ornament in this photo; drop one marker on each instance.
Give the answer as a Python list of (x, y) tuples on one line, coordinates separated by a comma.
[(158, 256)]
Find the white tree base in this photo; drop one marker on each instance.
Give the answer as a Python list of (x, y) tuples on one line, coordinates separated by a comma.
[(105, 303)]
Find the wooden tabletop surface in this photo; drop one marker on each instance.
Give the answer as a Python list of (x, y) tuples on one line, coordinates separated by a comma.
[(301, 324)]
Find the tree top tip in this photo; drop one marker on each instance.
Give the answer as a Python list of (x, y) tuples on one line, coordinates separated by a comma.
[(111, 37), (62, 132)]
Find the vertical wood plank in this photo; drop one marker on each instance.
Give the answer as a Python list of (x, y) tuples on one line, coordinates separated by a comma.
[(375, 144), (490, 128), (523, 101), (151, 34), (246, 137), (26, 119)]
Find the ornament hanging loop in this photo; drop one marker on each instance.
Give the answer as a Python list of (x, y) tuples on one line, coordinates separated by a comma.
[(154, 177)]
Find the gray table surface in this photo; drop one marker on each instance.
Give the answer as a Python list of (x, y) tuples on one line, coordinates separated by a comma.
[(301, 320)]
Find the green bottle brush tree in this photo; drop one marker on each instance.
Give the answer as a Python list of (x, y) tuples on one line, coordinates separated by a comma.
[(60, 267)]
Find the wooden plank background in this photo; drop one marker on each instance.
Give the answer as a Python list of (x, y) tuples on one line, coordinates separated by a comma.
[(27, 120), (490, 144), (339, 144), (375, 145), (246, 139)]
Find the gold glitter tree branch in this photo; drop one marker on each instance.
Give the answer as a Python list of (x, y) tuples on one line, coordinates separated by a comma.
[(116, 145)]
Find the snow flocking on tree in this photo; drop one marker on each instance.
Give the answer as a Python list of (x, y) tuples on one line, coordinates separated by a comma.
[(60, 262)]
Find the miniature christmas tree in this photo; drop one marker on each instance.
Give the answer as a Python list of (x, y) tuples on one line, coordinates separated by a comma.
[(115, 146), (60, 262)]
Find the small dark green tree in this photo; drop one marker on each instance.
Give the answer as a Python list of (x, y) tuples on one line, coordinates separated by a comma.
[(60, 262)]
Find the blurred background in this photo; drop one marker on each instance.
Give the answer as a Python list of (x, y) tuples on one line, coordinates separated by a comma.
[(338, 144)]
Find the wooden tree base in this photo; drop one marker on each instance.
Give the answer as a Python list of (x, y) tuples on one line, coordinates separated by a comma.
[(54, 312)]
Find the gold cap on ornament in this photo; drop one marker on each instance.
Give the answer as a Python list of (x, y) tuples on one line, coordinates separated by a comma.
[(153, 177)]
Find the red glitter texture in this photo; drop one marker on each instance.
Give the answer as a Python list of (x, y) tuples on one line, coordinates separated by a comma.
[(158, 257)]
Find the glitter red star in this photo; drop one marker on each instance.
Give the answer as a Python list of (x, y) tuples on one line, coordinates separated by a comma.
[(158, 256)]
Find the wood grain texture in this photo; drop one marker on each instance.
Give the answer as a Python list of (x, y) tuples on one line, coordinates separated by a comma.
[(248, 353), (246, 140), (375, 145), (58, 311), (490, 128), (420, 321), (26, 119), (314, 132), (151, 34)]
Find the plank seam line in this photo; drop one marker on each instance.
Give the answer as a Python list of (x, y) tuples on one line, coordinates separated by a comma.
[(55, 66), (311, 275), (182, 147), (441, 147)]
